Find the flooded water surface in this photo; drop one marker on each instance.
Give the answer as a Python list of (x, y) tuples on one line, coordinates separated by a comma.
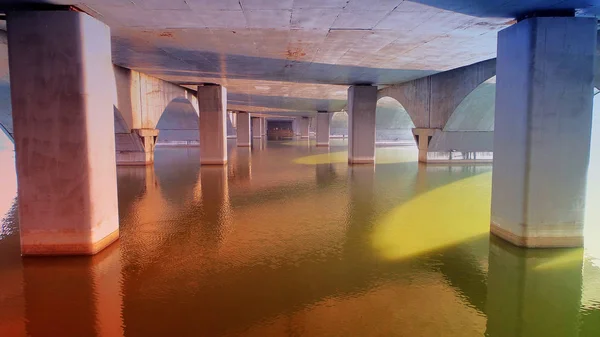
[(288, 240)]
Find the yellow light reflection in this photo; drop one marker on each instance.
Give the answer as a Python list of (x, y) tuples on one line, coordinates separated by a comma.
[(436, 219), (567, 259), (388, 155)]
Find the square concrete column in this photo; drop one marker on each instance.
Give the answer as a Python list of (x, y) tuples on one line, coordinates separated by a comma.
[(304, 127), (296, 126), (544, 94), (257, 127), (264, 128), (323, 129), (212, 112), (62, 88), (243, 129), (362, 104)]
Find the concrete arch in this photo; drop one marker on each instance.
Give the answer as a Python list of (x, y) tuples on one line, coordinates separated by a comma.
[(393, 123), (432, 99), (476, 111), (178, 124)]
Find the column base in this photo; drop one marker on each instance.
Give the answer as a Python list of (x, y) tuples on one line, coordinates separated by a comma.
[(135, 158), (364, 160), (213, 161), (562, 236), (323, 144), (63, 243)]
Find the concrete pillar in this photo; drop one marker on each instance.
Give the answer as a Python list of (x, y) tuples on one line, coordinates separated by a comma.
[(212, 112), (323, 129), (304, 125), (544, 94), (243, 129), (257, 127), (137, 147), (423, 137), (264, 128), (62, 88), (362, 103)]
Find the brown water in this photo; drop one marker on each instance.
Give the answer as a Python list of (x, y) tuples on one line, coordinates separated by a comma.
[(288, 240)]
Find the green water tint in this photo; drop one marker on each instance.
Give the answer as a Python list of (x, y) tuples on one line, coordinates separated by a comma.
[(291, 241)]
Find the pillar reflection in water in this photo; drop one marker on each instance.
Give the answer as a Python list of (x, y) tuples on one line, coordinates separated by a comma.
[(533, 292), (361, 210), (259, 144), (216, 217), (240, 166), (78, 296), (325, 174)]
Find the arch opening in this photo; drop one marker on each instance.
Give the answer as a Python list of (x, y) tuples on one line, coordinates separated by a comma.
[(339, 125), (178, 124), (476, 111), (393, 124)]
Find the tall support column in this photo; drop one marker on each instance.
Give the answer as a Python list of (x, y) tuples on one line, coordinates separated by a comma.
[(544, 94), (362, 104), (64, 132), (304, 124), (257, 127), (264, 128), (243, 129), (212, 112), (323, 129)]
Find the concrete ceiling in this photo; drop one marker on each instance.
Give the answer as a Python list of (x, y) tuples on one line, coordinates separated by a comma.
[(299, 56)]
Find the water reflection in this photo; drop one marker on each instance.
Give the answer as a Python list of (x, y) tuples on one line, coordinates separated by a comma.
[(78, 296), (533, 292), (270, 245)]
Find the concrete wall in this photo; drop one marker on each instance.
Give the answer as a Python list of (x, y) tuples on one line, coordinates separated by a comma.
[(431, 100), (142, 99)]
